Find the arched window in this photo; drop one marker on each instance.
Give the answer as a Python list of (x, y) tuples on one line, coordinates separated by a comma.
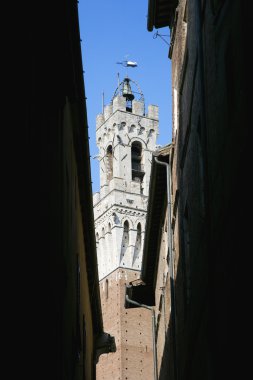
[(137, 248), (109, 163), (125, 240), (139, 233), (126, 231), (122, 125), (151, 133), (137, 167), (132, 128), (141, 130), (109, 244)]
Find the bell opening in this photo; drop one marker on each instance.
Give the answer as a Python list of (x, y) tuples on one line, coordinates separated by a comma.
[(127, 91)]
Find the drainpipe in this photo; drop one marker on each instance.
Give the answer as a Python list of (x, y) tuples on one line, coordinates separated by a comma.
[(153, 331), (171, 259)]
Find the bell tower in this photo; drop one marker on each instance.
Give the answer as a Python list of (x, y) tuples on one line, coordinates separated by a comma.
[(126, 137)]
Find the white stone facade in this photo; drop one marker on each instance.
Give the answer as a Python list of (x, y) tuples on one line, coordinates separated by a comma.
[(126, 139)]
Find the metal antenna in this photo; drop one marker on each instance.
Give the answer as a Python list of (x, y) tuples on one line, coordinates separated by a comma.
[(161, 36)]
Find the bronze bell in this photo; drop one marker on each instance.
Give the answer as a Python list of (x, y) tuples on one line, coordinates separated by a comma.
[(127, 91)]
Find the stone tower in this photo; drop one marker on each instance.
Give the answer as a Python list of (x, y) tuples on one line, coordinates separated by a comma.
[(126, 137)]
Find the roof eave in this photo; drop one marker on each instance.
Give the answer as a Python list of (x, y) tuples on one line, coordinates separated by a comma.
[(160, 13)]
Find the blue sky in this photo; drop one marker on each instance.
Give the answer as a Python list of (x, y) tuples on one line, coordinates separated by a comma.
[(113, 31)]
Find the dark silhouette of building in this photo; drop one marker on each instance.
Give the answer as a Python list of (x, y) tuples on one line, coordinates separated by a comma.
[(203, 303), (57, 325)]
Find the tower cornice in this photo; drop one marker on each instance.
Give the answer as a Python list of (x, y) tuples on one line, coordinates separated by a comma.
[(143, 197), (127, 113), (119, 209)]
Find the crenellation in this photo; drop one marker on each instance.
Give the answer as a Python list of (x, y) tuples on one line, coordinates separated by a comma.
[(119, 103), (138, 107), (153, 112), (99, 120), (108, 110)]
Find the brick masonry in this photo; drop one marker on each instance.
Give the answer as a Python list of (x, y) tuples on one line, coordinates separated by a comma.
[(132, 329)]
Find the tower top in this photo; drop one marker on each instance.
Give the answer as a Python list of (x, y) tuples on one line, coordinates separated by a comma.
[(128, 97), (130, 90)]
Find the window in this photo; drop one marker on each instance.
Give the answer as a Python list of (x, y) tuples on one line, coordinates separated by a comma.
[(109, 163), (132, 129), (141, 130), (137, 248), (137, 167), (126, 231), (125, 240), (151, 133)]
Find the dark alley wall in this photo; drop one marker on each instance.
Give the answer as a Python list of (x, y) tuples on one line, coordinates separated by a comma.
[(53, 253)]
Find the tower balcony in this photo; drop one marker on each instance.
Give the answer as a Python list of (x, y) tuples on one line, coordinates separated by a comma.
[(137, 171), (137, 167)]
